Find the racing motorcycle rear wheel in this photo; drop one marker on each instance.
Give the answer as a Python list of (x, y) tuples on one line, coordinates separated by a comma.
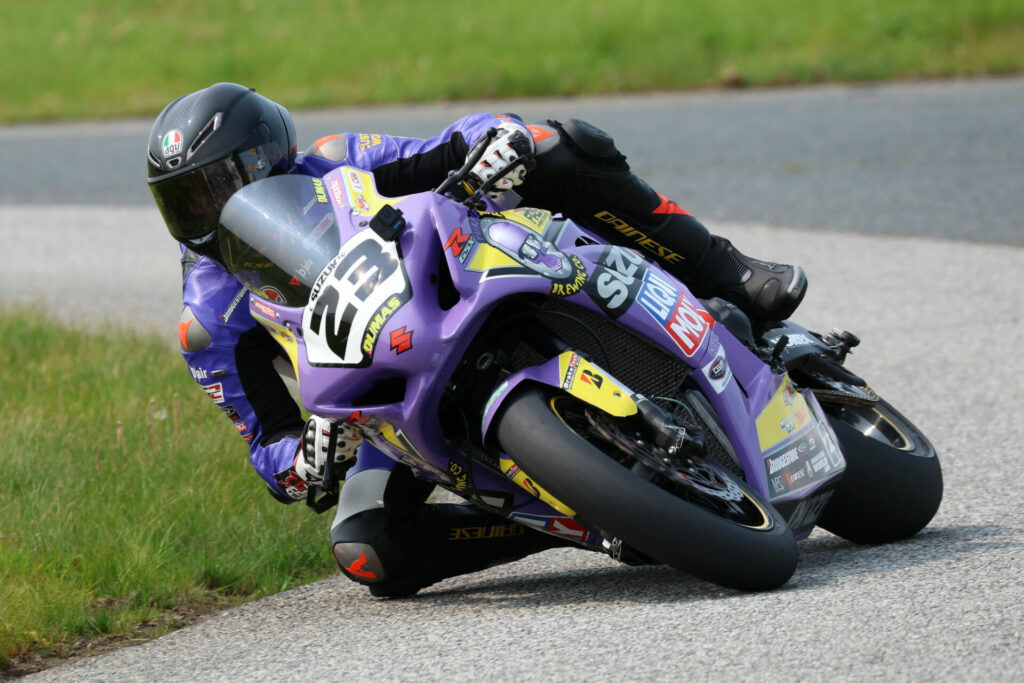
[(892, 486), (689, 513)]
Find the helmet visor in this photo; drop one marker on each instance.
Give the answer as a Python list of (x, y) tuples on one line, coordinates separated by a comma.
[(191, 202)]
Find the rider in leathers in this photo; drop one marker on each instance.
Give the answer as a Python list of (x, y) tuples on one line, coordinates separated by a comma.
[(206, 145)]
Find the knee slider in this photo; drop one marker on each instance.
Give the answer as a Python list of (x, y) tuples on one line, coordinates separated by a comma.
[(359, 562), (356, 543)]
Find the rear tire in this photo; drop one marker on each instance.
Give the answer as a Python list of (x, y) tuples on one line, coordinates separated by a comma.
[(892, 486), (607, 495)]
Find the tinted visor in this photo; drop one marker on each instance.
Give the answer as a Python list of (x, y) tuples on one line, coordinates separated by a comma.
[(191, 202)]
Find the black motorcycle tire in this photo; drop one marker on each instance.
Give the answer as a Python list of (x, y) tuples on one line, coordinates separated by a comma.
[(608, 496), (892, 486)]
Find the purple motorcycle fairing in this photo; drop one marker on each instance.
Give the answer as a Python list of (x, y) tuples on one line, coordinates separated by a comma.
[(376, 345)]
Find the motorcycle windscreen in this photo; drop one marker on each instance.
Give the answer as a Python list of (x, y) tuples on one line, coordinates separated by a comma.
[(277, 235)]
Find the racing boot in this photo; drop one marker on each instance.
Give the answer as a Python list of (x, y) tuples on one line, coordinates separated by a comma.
[(761, 289)]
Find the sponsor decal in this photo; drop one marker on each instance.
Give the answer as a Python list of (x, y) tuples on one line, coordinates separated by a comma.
[(377, 322), (273, 294), (352, 300), (171, 143), (567, 528), (794, 476), (616, 280), (777, 463), (248, 438), (198, 374), (798, 466), (574, 284), (718, 372), (319, 191), (785, 413), (684, 322), (669, 206), (226, 315), (461, 244), (368, 140), (215, 392), (337, 194), (459, 476), (401, 341), (539, 133), (638, 237), (264, 309), (570, 371), (657, 296), (473, 533), (538, 218), (591, 377), (687, 326), (291, 483), (241, 427), (312, 238), (230, 411), (321, 279), (799, 339), (355, 182), (357, 418)]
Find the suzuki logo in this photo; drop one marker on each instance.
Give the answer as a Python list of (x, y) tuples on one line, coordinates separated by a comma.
[(401, 340)]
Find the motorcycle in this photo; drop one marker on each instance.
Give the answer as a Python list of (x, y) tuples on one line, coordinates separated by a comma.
[(515, 359)]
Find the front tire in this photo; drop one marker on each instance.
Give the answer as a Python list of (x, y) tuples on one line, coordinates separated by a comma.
[(892, 486), (753, 551)]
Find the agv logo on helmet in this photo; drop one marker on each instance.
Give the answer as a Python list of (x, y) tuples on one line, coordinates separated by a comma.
[(172, 143)]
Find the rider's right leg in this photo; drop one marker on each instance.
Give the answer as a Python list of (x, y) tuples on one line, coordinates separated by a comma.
[(388, 538)]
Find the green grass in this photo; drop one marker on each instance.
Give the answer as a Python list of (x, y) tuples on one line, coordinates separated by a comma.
[(127, 498), (97, 58)]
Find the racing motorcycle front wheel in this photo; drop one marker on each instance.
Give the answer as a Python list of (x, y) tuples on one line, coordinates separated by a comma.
[(682, 510), (892, 486)]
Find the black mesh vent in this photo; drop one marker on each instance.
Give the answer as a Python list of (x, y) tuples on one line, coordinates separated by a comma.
[(633, 360)]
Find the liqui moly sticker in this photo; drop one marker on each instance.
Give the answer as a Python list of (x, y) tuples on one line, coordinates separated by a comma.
[(172, 143), (687, 325)]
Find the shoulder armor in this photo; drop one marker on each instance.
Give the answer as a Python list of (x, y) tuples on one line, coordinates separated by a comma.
[(191, 333), (331, 147)]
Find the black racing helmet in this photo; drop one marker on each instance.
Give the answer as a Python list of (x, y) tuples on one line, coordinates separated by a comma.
[(207, 145)]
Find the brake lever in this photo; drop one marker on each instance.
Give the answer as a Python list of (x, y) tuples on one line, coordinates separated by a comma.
[(474, 198)]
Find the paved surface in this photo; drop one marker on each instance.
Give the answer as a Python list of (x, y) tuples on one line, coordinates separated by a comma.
[(937, 159), (942, 327)]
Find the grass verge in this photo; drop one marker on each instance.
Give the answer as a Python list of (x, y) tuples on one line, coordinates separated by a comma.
[(96, 58), (128, 506)]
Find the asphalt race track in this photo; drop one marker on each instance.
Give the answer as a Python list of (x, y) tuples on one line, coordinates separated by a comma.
[(904, 205)]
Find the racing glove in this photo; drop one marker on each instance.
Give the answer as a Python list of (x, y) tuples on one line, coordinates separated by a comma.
[(512, 144), (315, 454)]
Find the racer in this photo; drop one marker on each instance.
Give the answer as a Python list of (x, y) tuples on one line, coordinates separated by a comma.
[(206, 145)]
